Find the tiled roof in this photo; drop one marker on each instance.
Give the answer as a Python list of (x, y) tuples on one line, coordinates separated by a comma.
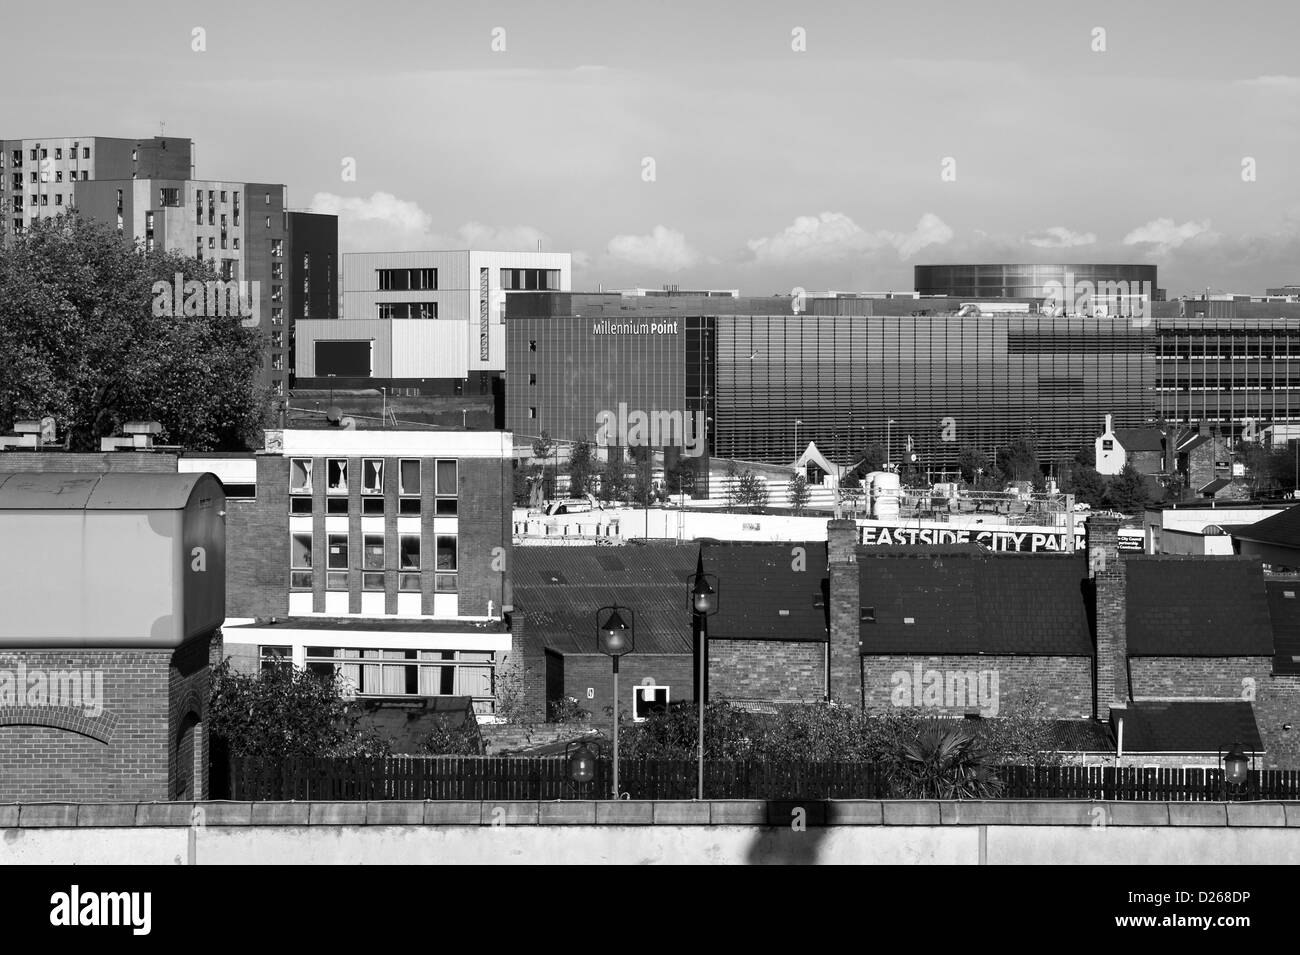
[(769, 591), (1283, 528), (558, 589), (1188, 726), (1081, 736), (941, 601), (1184, 606), (1284, 609), (1213, 487), (1140, 439)]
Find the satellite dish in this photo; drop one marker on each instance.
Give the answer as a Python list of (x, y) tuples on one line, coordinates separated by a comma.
[(334, 414)]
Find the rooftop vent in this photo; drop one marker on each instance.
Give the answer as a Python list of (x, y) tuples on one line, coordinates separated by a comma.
[(136, 436)]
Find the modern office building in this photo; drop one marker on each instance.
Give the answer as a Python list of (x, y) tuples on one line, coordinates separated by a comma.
[(285, 261), (423, 322), (1033, 281), (43, 177), (849, 372), (352, 546)]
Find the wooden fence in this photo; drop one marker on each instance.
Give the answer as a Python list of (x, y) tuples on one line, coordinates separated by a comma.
[(486, 778)]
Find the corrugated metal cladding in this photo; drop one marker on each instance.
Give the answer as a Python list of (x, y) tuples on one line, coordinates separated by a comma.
[(427, 349), (312, 331)]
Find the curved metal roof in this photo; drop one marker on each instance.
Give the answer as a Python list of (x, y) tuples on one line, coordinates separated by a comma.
[(116, 491)]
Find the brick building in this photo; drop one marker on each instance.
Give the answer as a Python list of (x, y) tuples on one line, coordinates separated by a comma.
[(105, 659), (379, 545)]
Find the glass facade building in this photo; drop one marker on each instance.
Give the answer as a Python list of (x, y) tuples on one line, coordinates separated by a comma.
[(766, 380), (1026, 280)]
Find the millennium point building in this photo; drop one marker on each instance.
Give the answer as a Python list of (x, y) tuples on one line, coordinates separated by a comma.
[(847, 372), (44, 177), (1030, 281), (423, 323)]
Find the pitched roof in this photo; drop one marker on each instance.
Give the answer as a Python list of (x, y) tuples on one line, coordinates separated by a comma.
[(1081, 736), (1188, 726), (1140, 439), (1196, 606), (1284, 610), (1214, 487), (1281, 528), (558, 589), (947, 601), (769, 590), (813, 453)]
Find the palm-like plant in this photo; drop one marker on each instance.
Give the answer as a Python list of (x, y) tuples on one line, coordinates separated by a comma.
[(944, 762)]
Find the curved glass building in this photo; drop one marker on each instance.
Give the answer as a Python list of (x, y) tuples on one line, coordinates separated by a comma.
[(1028, 281)]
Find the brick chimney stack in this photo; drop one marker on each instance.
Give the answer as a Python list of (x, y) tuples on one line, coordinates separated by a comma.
[(845, 612), (1106, 569)]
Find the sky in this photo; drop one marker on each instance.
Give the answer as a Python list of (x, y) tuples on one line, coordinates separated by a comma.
[(756, 145)]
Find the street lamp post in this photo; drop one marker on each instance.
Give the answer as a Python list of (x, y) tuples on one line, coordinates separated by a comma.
[(704, 603), (1236, 771), (615, 636)]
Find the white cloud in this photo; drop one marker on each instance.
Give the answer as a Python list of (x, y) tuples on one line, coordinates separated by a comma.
[(833, 236), (664, 250), (1059, 237), (386, 223), (1162, 235), (1276, 83)]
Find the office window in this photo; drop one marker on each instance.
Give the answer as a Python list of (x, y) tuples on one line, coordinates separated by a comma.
[(169, 196), (45, 199), (268, 200), (445, 564), (372, 505), (212, 242), (445, 487), (408, 562), (34, 177), (407, 280), (372, 476), (532, 378), (336, 474), (135, 155), (58, 198), (45, 153), (532, 412), (268, 222), (85, 152), (58, 153), (277, 315), (277, 271), (422, 310), (532, 344), (277, 339), (299, 505), (85, 174), (408, 476), (235, 242), (333, 505), (300, 475), (532, 280), (58, 176), (223, 195), (300, 560), (373, 561)]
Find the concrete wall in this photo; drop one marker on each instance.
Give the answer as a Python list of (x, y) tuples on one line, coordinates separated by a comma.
[(649, 833)]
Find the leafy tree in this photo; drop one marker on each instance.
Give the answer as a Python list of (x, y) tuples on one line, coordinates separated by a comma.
[(683, 476), (1018, 460), (1270, 469), (581, 468), (81, 342), (643, 488), (1086, 456), (753, 492), (284, 712), (1087, 486), (521, 484), (874, 458), (613, 477), (1127, 491), (543, 450), (797, 493), (972, 462), (733, 486), (851, 479)]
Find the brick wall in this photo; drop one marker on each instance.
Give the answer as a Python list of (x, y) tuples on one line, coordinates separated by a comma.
[(1276, 699), (485, 535), (93, 463), (146, 744), (846, 602), (531, 660), (766, 670), (257, 545), (1063, 683), (1109, 584), (595, 672)]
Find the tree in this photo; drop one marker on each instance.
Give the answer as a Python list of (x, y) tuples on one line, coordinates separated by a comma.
[(683, 476), (543, 448), (1127, 491), (1087, 486), (81, 341), (874, 458), (613, 477), (284, 712), (643, 488), (581, 468), (733, 486), (1086, 456), (797, 493), (944, 762), (753, 492), (1018, 460), (972, 462)]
